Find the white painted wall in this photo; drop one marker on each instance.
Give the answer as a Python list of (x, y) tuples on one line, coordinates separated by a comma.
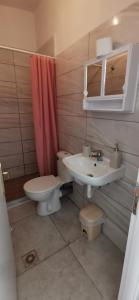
[(71, 19), (17, 28)]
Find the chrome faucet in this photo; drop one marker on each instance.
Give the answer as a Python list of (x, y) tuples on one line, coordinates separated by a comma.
[(98, 154)]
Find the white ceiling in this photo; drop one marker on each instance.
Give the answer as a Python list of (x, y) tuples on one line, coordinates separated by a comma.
[(22, 4)]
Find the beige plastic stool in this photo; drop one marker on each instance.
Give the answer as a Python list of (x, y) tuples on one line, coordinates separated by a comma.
[(91, 218)]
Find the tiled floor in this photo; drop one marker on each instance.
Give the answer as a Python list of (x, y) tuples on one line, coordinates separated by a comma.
[(67, 266)]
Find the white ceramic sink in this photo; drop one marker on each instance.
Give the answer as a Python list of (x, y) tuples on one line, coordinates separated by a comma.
[(92, 172)]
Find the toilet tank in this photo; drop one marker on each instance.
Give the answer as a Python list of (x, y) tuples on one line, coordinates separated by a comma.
[(61, 168)]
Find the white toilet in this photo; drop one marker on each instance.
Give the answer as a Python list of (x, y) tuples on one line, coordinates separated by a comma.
[(46, 189)]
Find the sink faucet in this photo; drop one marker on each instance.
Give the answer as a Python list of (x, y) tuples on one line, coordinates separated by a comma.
[(98, 154)]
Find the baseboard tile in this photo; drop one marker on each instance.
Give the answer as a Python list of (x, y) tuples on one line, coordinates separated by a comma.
[(17, 202), (115, 234)]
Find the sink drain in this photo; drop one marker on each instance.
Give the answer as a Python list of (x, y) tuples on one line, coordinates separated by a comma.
[(90, 175)]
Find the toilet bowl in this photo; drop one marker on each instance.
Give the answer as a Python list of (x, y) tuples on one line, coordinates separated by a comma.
[(46, 189)]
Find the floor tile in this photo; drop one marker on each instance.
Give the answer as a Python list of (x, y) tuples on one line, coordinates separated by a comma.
[(67, 221), (58, 278), (22, 211), (102, 261), (35, 233)]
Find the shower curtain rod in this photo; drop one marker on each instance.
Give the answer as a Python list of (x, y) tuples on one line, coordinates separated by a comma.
[(25, 51)]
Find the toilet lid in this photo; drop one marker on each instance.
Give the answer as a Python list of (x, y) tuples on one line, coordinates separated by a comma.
[(42, 184)]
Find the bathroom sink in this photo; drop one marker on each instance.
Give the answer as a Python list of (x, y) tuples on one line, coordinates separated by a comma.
[(89, 171)]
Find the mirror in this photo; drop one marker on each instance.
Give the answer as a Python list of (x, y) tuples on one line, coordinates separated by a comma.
[(115, 74), (94, 73)]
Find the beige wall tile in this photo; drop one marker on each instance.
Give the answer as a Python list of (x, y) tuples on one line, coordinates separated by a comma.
[(70, 83), (8, 105), (10, 148), (73, 57), (28, 146), (71, 105), (7, 72), (70, 143), (7, 89), (119, 194), (70, 125), (6, 56), (9, 120), (26, 120), (131, 173), (108, 132), (10, 135), (30, 157), (30, 169), (23, 74), (115, 234), (24, 90), (114, 211), (15, 172), (27, 133), (131, 158), (11, 161), (21, 59), (25, 105), (16, 113)]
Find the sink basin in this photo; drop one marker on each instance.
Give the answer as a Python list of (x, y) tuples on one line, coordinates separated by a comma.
[(89, 171)]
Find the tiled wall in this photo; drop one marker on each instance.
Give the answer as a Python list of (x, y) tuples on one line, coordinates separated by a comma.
[(17, 151), (76, 127)]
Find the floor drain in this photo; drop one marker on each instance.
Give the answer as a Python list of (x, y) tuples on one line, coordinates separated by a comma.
[(30, 259)]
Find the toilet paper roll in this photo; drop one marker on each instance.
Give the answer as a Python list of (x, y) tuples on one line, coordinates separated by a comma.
[(103, 46), (86, 150)]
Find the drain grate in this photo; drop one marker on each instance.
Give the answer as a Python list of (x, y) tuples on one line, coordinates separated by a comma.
[(30, 259)]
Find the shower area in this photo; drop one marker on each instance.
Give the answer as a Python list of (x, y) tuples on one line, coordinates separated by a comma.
[(17, 147)]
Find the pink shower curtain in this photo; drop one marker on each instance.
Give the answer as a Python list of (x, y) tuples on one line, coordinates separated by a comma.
[(44, 113)]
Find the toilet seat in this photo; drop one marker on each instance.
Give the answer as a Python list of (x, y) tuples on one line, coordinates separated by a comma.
[(42, 184)]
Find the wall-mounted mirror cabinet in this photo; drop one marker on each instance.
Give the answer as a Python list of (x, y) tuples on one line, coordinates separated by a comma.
[(110, 83)]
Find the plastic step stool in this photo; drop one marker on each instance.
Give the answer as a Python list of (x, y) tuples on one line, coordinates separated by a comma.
[(91, 218)]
